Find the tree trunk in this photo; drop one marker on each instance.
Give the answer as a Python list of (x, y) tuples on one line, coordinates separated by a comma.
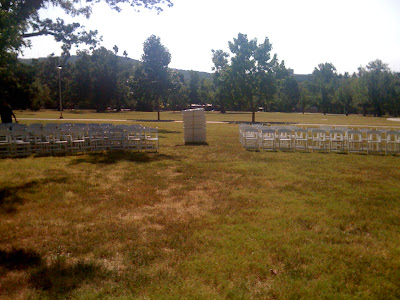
[(222, 106), (158, 109)]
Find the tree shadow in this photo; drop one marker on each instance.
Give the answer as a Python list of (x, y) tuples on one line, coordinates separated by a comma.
[(155, 121), (10, 198), (59, 279), (193, 144), (55, 280), (112, 157), (163, 131), (19, 259)]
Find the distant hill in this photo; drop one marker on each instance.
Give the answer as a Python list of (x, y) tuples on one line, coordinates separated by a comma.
[(73, 59), (186, 73), (303, 77)]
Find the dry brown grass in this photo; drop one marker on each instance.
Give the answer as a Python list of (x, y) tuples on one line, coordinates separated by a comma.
[(211, 221)]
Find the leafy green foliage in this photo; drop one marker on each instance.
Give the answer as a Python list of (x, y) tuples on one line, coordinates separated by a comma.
[(325, 78), (155, 60), (249, 76)]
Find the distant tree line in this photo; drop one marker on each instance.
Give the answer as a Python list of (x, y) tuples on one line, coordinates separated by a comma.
[(248, 78)]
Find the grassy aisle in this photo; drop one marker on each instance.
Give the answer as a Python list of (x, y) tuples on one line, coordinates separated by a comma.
[(203, 222)]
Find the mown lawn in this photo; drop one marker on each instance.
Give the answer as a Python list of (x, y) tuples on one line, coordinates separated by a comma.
[(210, 222)]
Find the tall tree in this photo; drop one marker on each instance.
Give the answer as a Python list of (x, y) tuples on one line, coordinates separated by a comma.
[(178, 98), (104, 76), (249, 63), (194, 87), (344, 94), (20, 20), (155, 60), (140, 90), (360, 92), (221, 77), (289, 94), (378, 81), (325, 77)]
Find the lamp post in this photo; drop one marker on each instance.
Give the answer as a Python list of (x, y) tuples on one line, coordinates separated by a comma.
[(59, 90)]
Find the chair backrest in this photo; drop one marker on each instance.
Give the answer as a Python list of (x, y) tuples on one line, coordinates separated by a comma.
[(354, 135), (5, 136), (300, 133), (393, 135), (318, 133), (374, 135), (336, 133), (284, 131)]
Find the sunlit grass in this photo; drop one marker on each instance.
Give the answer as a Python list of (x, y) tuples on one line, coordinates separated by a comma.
[(263, 117), (210, 221)]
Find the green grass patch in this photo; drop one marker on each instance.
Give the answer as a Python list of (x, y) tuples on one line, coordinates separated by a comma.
[(200, 221)]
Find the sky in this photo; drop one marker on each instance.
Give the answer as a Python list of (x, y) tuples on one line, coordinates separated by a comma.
[(303, 33)]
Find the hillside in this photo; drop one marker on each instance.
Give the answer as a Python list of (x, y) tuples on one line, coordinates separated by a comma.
[(73, 59)]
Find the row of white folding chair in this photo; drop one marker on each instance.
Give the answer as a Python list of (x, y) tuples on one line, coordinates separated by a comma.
[(58, 139), (14, 142), (321, 139)]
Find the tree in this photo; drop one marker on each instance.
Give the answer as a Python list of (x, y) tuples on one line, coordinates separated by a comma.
[(178, 97), (305, 96), (81, 83), (104, 76), (360, 92), (378, 81), (289, 94), (344, 94), (20, 20), (249, 65), (393, 102), (325, 78), (155, 60), (221, 77), (206, 93), (194, 87)]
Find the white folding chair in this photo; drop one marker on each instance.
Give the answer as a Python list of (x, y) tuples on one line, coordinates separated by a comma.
[(151, 141), (20, 142), (355, 141), (39, 140), (60, 141), (133, 137), (267, 139), (336, 140), (5, 142), (249, 136), (78, 140), (392, 141), (284, 137), (300, 139), (98, 138), (318, 140), (374, 141), (116, 138)]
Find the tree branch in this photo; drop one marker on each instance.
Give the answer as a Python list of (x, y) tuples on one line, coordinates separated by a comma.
[(39, 33)]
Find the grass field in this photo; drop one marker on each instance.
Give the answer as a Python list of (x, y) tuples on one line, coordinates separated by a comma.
[(206, 222)]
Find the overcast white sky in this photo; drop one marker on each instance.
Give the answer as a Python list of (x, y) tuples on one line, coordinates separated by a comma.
[(304, 33)]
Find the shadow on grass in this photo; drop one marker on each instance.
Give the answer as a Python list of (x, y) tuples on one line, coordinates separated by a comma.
[(155, 121), (10, 198), (163, 131), (59, 279), (55, 280), (112, 157), (18, 259), (193, 144)]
